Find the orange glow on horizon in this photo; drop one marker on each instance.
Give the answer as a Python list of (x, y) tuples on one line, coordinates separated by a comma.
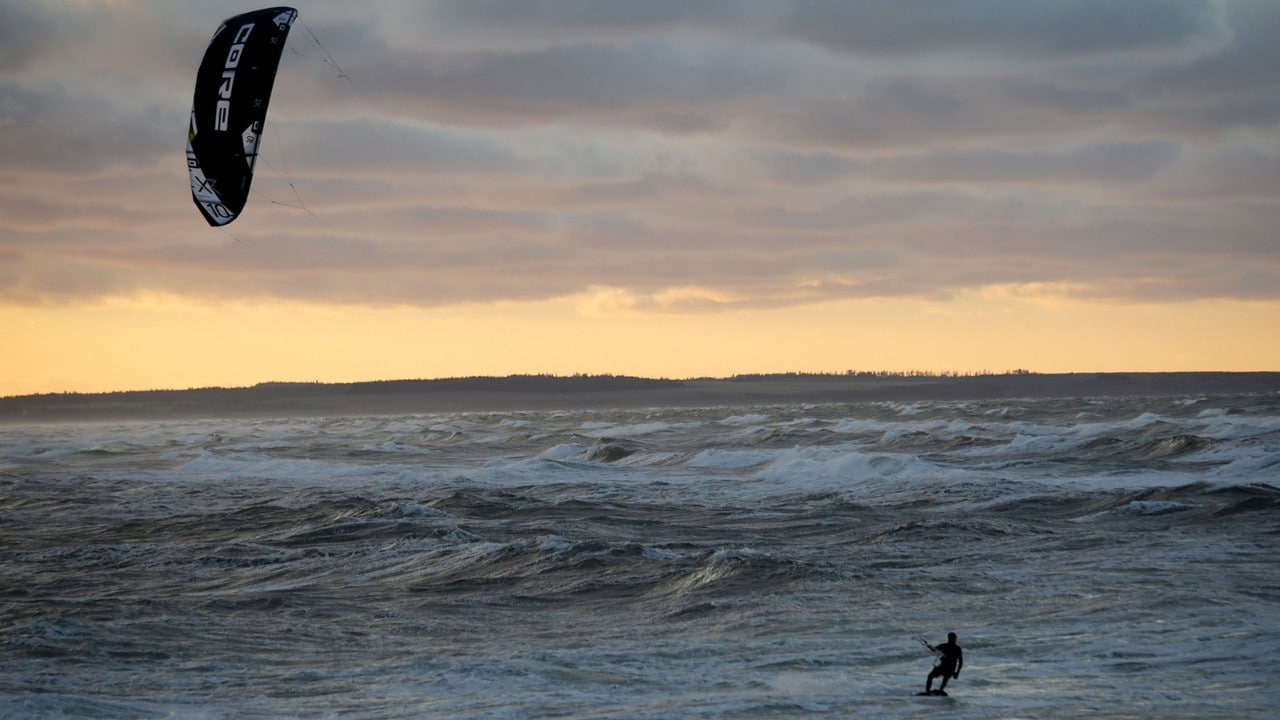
[(166, 342)]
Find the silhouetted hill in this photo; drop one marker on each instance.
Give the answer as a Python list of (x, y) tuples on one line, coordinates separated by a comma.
[(533, 392)]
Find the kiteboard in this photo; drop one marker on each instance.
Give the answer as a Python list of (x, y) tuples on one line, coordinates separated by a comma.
[(943, 693)]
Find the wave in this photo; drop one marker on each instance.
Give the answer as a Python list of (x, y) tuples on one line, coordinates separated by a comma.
[(1255, 497), (610, 450), (1194, 502), (730, 572)]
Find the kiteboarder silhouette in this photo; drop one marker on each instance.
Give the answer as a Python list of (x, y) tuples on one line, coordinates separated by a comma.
[(950, 660)]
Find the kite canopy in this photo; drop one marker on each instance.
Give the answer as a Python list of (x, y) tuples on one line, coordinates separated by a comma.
[(233, 88)]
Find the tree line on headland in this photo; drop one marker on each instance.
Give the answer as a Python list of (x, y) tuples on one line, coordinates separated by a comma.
[(880, 374), (543, 392)]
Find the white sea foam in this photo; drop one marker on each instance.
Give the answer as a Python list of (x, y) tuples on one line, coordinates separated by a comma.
[(601, 430), (716, 459), (1154, 507), (748, 419)]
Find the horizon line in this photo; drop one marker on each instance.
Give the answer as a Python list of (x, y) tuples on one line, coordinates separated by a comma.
[(860, 374)]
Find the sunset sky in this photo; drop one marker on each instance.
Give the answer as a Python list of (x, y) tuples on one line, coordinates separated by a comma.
[(667, 188)]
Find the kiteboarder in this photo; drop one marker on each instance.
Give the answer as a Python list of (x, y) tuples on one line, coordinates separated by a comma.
[(950, 660)]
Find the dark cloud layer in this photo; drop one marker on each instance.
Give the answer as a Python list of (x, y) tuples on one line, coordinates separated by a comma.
[(22, 34), (1062, 29), (762, 152)]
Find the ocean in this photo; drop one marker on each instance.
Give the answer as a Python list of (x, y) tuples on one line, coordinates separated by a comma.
[(1101, 558)]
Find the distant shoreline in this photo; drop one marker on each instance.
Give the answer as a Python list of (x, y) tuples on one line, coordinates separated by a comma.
[(539, 392)]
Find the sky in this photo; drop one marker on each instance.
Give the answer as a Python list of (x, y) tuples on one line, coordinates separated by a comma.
[(667, 188)]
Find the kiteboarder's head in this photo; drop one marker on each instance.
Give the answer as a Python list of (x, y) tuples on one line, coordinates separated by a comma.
[(951, 637)]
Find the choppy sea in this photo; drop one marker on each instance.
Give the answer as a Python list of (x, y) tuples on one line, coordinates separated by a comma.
[(1103, 558)]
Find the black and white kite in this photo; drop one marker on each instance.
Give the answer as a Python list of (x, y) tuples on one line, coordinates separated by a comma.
[(233, 88)]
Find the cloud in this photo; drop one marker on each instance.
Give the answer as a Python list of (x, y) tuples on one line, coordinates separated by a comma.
[(51, 130), (1234, 86), (654, 83), (1067, 28), (665, 156), (1106, 162), (23, 33), (573, 17), (1247, 62)]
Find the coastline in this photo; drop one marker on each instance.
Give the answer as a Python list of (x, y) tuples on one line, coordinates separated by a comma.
[(522, 392)]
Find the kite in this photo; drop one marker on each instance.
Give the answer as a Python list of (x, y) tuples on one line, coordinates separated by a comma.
[(233, 88)]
